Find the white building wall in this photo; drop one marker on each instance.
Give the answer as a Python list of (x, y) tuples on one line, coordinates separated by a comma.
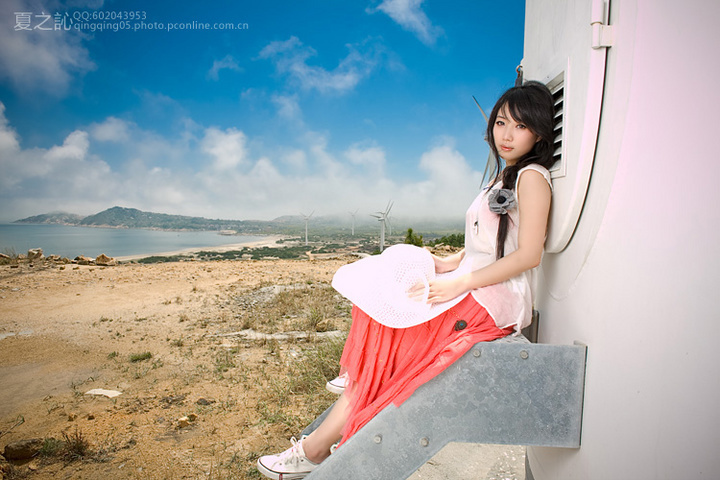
[(640, 281)]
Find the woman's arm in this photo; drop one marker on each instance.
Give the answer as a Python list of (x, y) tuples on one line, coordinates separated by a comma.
[(449, 263), (534, 196)]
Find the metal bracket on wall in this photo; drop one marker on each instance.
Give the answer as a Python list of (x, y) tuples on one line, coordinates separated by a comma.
[(602, 33)]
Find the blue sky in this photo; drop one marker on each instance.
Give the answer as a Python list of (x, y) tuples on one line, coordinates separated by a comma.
[(325, 106)]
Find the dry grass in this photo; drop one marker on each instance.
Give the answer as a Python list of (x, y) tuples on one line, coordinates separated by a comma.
[(314, 307), (255, 393), (75, 445), (296, 397), (9, 257)]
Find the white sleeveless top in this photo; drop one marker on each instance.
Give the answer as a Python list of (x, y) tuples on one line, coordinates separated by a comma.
[(510, 303)]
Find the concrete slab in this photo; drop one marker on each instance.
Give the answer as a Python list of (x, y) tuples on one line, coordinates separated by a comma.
[(468, 461)]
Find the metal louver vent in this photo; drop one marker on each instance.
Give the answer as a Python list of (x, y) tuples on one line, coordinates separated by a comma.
[(559, 97), (557, 88)]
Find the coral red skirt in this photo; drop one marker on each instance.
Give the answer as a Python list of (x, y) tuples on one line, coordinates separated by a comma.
[(386, 364)]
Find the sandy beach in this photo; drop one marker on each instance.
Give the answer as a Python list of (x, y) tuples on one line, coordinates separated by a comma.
[(270, 241)]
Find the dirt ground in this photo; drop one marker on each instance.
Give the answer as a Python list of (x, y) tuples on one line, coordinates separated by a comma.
[(165, 336), (206, 383)]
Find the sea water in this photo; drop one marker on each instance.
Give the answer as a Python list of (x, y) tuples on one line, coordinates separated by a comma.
[(71, 241)]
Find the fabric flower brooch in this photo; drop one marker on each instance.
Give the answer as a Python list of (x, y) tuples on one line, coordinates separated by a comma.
[(502, 200)]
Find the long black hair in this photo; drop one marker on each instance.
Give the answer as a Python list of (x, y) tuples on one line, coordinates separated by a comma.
[(532, 105)]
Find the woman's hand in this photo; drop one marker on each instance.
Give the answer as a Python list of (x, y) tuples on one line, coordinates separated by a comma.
[(442, 265), (445, 290), (416, 292), (440, 290)]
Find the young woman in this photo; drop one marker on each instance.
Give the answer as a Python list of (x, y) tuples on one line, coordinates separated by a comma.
[(489, 297)]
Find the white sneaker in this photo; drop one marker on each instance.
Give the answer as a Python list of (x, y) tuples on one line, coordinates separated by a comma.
[(333, 447), (292, 464), (337, 385)]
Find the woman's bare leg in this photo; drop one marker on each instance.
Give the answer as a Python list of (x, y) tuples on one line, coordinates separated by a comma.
[(317, 445)]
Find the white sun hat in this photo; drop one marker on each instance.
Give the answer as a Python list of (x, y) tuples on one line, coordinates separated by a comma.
[(379, 286)]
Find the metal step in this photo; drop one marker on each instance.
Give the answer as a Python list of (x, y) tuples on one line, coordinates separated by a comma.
[(508, 392)]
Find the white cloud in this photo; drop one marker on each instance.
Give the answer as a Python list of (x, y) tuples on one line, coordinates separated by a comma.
[(74, 148), (323, 160), (449, 176), (227, 147), (288, 107), (296, 159), (164, 174), (60, 176), (291, 58), (265, 173), (227, 63), (250, 94), (292, 44), (39, 60), (11, 157), (446, 167), (410, 16), (372, 158), (111, 130), (154, 188), (158, 105), (9, 141)]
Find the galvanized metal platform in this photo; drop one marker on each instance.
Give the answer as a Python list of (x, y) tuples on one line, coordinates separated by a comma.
[(508, 392)]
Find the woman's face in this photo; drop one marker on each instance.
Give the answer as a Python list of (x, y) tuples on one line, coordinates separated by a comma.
[(513, 140)]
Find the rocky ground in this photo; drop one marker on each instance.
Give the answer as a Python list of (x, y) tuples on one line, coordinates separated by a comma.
[(205, 382)]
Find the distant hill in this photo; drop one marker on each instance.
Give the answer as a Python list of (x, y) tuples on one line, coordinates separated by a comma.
[(121, 217), (134, 218), (59, 218)]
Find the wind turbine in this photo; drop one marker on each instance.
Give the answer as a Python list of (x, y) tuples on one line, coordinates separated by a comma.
[(383, 219), (490, 165), (307, 218), (352, 214)]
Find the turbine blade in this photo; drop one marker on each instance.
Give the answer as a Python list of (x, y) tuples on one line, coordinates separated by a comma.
[(490, 167), (481, 110)]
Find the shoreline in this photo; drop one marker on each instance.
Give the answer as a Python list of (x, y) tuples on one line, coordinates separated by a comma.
[(69, 241), (268, 241)]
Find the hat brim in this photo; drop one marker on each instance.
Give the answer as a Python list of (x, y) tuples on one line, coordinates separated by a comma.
[(379, 286)]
